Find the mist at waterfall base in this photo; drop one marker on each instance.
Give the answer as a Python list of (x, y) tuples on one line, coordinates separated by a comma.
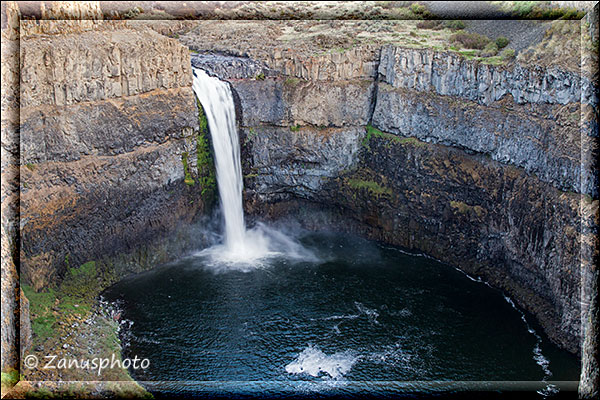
[(241, 248), (275, 312)]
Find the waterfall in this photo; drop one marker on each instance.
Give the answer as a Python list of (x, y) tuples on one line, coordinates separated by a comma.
[(217, 101), (241, 247)]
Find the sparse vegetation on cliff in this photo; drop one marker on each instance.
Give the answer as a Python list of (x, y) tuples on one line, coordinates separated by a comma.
[(539, 10), (68, 321), (204, 159), (561, 46), (465, 209), (371, 186), (374, 132), (186, 170), (73, 297)]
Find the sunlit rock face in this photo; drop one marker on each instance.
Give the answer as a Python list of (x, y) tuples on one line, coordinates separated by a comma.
[(107, 115)]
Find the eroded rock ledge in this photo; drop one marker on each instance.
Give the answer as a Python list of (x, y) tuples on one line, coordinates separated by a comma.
[(102, 144), (476, 165)]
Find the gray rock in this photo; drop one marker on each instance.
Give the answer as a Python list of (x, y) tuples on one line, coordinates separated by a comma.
[(450, 74)]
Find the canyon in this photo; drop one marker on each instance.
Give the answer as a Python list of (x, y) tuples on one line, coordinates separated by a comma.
[(485, 167)]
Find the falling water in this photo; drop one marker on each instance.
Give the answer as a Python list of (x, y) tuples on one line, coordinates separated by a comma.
[(217, 101), (240, 245)]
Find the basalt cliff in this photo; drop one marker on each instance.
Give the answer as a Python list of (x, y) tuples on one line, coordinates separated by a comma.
[(485, 166)]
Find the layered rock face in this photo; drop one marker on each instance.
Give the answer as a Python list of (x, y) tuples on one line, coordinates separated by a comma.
[(476, 165), (532, 119), (10, 184), (108, 133)]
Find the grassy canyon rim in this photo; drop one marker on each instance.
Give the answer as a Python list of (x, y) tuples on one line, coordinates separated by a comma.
[(470, 140)]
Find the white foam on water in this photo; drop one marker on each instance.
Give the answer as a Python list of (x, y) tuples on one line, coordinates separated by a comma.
[(393, 354), (538, 357), (312, 361), (336, 317), (372, 314), (261, 245)]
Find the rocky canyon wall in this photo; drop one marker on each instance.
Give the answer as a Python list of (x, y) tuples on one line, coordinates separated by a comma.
[(480, 166), (106, 114), (477, 165), (106, 154)]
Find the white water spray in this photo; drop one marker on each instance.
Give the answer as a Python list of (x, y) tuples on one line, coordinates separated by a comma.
[(240, 246)]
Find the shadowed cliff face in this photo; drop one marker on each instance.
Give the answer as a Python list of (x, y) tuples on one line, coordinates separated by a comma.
[(466, 210), (109, 128), (478, 166)]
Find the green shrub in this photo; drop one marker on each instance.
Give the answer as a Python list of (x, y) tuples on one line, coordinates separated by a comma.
[(260, 77), (10, 378), (454, 25), (430, 24), (502, 42), (418, 9), (295, 128), (470, 40), (204, 161), (523, 8), (507, 54), (532, 10), (490, 50)]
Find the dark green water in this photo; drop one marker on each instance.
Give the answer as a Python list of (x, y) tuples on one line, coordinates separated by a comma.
[(362, 314)]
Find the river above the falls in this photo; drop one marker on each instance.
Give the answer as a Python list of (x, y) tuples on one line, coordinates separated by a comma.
[(358, 311)]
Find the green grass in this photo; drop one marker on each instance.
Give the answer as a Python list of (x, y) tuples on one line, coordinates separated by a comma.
[(411, 141), (468, 54), (40, 310), (73, 297), (10, 378), (291, 81), (78, 282), (186, 170), (494, 60), (536, 10), (371, 186), (374, 132)]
